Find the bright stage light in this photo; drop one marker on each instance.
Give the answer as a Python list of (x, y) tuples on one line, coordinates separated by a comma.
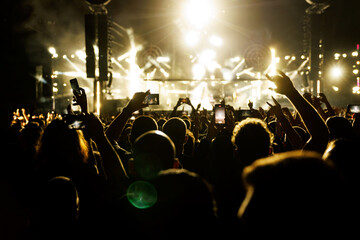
[(52, 50), (216, 41), (163, 59), (336, 72), (273, 66), (198, 71), (356, 90), (199, 12), (227, 74), (207, 56), (80, 54), (192, 38)]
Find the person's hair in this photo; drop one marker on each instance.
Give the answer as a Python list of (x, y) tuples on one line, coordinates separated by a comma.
[(61, 200), (160, 123), (343, 153), (153, 151), (296, 189), (184, 199), (175, 128), (60, 145), (339, 127), (141, 125), (252, 139)]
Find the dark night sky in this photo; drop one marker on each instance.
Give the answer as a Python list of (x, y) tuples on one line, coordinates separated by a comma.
[(31, 26)]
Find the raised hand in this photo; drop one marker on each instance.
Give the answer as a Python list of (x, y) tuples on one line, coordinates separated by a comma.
[(276, 108), (322, 98), (283, 83), (81, 100), (137, 102), (250, 104)]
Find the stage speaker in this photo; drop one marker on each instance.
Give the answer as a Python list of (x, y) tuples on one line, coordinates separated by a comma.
[(90, 38), (103, 46)]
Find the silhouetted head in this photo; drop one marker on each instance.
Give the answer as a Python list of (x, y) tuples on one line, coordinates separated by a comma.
[(62, 147), (175, 128), (141, 125), (339, 127), (252, 139), (153, 151), (295, 190), (160, 123), (183, 199), (61, 201), (344, 154)]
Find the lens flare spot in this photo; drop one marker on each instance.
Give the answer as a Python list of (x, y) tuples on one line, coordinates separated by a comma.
[(141, 194)]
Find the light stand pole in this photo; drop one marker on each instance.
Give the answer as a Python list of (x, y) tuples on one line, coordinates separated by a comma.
[(96, 37), (315, 15)]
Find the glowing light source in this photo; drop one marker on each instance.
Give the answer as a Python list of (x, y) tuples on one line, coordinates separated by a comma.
[(192, 38), (198, 71), (98, 98), (199, 12), (216, 41), (336, 72), (272, 67), (163, 59), (356, 90), (207, 56), (80, 54), (52, 50)]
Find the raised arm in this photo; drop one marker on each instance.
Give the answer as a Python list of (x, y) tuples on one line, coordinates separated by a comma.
[(317, 105), (330, 110), (174, 112), (115, 128), (319, 134), (113, 168), (196, 119), (292, 135)]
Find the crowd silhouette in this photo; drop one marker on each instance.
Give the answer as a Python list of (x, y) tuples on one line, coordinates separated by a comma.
[(279, 173)]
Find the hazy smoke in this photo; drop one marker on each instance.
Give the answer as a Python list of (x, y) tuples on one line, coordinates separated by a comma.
[(59, 23)]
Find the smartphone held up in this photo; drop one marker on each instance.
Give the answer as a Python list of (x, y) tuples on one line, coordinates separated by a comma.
[(219, 111), (152, 99), (75, 86)]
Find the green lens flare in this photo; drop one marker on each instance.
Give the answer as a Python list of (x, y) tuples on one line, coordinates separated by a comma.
[(141, 194)]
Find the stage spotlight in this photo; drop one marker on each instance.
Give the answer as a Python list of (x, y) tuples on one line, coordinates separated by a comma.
[(216, 41), (52, 50), (227, 74), (163, 59), (207, 56), (336, 72), (199, 12), (198, 71), (192, 38), (80, 54)]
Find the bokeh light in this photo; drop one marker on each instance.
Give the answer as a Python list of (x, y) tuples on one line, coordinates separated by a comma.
[(141, 194)]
